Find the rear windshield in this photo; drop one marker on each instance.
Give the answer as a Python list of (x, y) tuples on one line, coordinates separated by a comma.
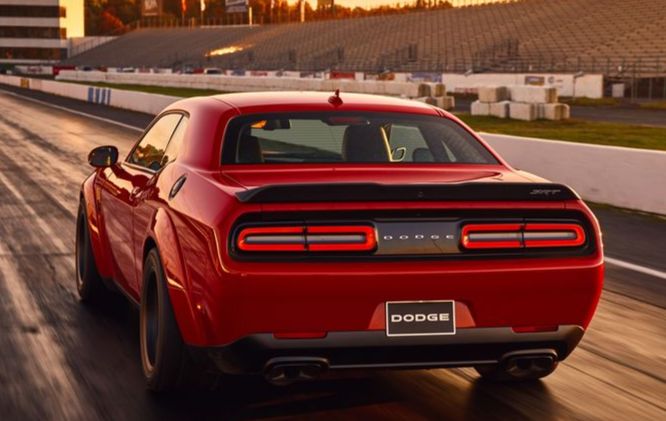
[(350, 138)]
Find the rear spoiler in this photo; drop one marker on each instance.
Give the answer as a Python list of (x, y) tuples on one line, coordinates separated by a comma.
[(372, 192)]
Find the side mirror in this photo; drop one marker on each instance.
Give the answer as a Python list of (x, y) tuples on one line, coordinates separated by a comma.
[(103, 156)]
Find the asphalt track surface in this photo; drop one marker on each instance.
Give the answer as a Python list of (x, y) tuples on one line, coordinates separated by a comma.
[(63, 361)]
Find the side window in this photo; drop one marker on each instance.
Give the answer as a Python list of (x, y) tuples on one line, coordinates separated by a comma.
[(172, 149), (150, 150)]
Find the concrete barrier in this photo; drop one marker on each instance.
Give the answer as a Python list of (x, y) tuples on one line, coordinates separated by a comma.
[(120, 98), (553, 111), (446, 102), (533, 94), (226, 83), (522, 111), (625, 177), (141, 101), (493, 93), (500, 109), (480, 108)]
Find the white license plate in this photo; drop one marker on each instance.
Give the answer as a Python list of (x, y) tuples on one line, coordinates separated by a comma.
[(420, 318)]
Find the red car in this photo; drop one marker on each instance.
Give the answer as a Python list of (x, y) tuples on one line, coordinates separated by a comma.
[(286, 234)]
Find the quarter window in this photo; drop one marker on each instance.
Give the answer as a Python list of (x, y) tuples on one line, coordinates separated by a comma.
[(150, 150), (172, 150)]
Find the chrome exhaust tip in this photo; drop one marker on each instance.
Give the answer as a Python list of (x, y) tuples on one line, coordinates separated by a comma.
[(284, 371), (528, 364)]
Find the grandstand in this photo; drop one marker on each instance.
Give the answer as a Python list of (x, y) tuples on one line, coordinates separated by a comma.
[(614, 37)]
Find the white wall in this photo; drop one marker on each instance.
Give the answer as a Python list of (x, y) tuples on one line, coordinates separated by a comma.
[(129, 100), (588, 85), (247, 84), (625, 177)]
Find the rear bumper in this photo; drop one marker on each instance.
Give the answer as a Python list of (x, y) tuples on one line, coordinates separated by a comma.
[(373, 349)]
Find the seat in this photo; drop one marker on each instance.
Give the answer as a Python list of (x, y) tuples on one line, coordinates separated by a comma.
[(365, 144), (249, 150)]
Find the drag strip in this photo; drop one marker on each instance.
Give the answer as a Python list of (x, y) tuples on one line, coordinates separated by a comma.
[(62, 360)]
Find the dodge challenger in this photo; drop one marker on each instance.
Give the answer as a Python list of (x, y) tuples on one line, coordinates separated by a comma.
[(287, 234)]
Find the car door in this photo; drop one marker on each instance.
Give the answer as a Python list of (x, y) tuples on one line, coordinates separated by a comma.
[(147, 198), (121, 193)]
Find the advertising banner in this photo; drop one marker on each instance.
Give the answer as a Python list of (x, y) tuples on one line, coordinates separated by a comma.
[(535, 80), (151, 7), (236, 6), (425, 77)]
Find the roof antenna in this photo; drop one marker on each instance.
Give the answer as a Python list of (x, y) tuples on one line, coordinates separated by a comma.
[(335, 98)]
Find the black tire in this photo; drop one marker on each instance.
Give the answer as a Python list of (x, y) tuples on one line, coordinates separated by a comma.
[(89, 283), (503, 373), (164, 358)]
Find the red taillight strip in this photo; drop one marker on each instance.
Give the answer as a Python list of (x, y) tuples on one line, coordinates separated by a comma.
[(310, 238), (503, 236), (351, 238), (553, 235), (530, 235), (272, 239)]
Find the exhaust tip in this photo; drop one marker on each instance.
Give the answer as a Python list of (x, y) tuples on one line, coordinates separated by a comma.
[(529, 364), (287, 370)]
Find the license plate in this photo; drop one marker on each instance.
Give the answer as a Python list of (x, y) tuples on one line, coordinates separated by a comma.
[(420, 318)]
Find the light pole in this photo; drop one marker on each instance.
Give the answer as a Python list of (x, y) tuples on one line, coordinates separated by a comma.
[(575, 78)]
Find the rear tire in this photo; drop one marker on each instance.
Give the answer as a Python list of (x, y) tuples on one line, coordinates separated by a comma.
[(89, 283), (164, 358)]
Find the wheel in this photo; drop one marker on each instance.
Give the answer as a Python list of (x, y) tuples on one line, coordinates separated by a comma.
[(164, 358), (518, 370), (89, 283)]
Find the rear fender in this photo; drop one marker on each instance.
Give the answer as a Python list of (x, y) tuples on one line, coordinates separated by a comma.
[(163, 233)]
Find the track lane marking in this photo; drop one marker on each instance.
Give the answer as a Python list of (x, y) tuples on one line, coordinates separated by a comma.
[(636, 268), (69, 110)]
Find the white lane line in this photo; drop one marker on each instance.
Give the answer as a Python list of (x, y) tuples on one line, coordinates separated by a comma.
[(636, 268), (81, 113)]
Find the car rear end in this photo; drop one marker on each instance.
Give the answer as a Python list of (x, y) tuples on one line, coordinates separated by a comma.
[(337, 265)]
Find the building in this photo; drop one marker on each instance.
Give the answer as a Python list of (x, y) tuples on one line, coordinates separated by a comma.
[(36, 31)]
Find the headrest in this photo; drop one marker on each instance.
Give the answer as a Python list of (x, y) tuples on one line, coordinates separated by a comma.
[(366, 143), (249, 150)]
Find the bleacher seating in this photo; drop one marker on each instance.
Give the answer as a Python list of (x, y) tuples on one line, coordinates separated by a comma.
[(607, 36)]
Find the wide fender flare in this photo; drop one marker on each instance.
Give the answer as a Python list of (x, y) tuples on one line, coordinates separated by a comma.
[(98, 240), (185, 310)]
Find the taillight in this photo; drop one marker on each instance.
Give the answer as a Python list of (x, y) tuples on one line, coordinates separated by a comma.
[(553, 235), (492, 236), (341, 238), (316, 238), (272, 239), (530, 235)]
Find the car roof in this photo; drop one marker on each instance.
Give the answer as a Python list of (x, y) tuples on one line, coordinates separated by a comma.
[(247, 101)]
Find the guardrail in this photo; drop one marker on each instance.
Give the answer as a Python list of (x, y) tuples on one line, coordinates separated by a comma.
[(626, 177)]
